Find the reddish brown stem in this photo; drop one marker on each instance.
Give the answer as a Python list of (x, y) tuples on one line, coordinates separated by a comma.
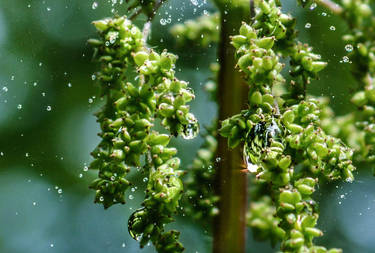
[(231, 183)]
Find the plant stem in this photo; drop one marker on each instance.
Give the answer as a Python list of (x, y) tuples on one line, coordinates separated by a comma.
[(333, 7), (231, 183)]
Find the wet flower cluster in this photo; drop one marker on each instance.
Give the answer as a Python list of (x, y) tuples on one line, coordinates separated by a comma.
[(200, 198), (284, 144), (361, 53), (203, 31), (133, 103)]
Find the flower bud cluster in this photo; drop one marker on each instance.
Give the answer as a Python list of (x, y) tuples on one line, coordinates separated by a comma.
[(200, 184), (283, 143), (127, 136), (270, 21), (202, 32), (361, 53), (257, 60)]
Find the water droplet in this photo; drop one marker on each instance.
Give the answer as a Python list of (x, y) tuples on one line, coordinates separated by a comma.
[(136, 217), (191, 130), (94, 5), (332, 28), (19, 106), (345, 59), (27, 154), (163, 21), (308, 25), (131, 197), (34, 203), (101, 198), (313, 6), (5, 89), (80, 175), (69, 85), (40, 64), (52, 245), (91, 100), (348, 47), (324, 14), (123, 245), (48, 9), (145, 179), (59, 191), (85, 168)]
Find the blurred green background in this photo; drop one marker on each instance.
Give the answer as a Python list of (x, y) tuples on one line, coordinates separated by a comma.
[(47, 129)]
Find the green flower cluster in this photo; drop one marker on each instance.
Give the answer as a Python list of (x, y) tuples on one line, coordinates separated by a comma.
[(270, 21), (361, 52), (119, 38), (284, 144), (126, 121), (200, 199), (202, 32)]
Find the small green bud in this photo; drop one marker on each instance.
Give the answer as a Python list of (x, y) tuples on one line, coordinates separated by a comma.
[(101, 25), (256, 98), (359, 99), (140, 57), (266, 42), (288, 117)]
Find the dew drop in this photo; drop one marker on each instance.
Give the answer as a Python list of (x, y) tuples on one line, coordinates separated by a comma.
[(131, 197), (19, 106), (348, 47), (194, 2), (94, 5), (308, 25), (59, 191), (332, 28), (313, 6), (5, 89), (136, 217), (191, 130)]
